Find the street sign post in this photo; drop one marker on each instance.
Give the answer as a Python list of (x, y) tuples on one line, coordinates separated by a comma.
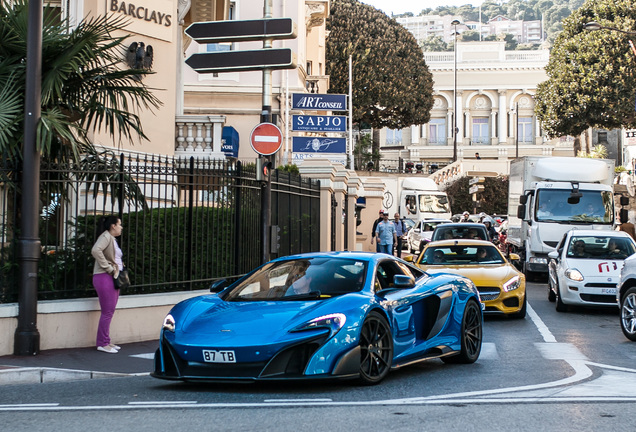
[(245, 30), (266, 139)]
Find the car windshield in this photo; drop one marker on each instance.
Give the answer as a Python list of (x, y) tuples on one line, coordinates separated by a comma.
[(593, 206), (460, 232), (460, 255), (600, 247), (434, 204), (301, 279)]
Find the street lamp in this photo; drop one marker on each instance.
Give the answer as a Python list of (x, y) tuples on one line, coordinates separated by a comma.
[(455, 23)]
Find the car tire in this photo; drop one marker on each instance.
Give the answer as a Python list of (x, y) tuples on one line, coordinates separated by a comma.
[(560, 306), (376, 349), (471, 335), (523, 311), (551, 294), (628, 314)]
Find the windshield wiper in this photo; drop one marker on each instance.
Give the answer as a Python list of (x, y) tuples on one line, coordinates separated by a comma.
[(311, 295)]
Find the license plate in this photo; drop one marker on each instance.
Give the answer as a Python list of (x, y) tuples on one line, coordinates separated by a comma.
[(211, 356), (608, 290)]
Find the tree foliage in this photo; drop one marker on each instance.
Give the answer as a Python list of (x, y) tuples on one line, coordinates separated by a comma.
[(493, 200), (84, 85), (591, 74), (392, 86)]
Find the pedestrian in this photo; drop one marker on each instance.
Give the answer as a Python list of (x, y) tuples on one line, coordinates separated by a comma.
[(477, 156), (108, 263), (375, 225), (386, 234), (400, 230), (628, 227), (492, 232), (465, 217)]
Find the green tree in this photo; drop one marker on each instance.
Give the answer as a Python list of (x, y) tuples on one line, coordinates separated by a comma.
[(434, 44), (84, 86), (392, 86), (591, 75), (493, 200), (470, 35)]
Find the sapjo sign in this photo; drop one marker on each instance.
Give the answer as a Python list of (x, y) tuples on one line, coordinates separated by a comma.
[(318, 123)]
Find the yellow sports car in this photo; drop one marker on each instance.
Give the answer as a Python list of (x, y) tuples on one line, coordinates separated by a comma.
[(501, 286)]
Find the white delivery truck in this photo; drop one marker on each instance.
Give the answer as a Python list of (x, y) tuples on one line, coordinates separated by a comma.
[(415, 198), (549, 196)]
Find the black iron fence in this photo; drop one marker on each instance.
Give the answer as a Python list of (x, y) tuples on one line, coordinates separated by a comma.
[(186, 222)]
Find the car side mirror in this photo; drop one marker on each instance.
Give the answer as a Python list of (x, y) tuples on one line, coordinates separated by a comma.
[(403, 281), (514, 257), (521, 211), (410, 258), (554, 255), (218, 286)]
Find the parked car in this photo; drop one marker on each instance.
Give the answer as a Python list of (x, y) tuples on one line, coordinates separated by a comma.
[(585, 268), (321, 316), (626, 298), (421, 234), (501, 286), (460, 230)]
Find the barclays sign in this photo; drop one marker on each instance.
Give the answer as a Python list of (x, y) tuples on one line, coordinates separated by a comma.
[(319, 102)]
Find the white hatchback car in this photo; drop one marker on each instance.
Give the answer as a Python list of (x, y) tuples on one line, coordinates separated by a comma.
[(626, 298), (585, 268), (421, 233)]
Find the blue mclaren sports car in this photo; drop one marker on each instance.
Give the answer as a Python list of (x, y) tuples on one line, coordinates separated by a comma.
[(331, 315)]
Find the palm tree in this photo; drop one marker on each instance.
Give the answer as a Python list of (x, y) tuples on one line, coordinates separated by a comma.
[(84, 84)]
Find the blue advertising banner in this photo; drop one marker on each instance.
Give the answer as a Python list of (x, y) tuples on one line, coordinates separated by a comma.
[(313, 123), (230, 142), (322, 102), (319, 145)]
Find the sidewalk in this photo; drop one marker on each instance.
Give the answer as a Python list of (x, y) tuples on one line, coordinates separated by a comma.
[(78, 363)]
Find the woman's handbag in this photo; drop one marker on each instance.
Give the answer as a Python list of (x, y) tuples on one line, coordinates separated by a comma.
[(123, 280)]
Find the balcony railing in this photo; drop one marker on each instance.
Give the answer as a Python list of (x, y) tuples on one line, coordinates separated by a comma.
[(199, 136)]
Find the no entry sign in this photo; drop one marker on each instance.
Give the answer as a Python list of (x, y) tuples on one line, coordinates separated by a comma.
[(266, 139)]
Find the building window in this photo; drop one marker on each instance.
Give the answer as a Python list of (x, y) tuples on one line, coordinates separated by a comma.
[(393, 137), (224, 46), (437, 131), (525, 129), (480, 130)]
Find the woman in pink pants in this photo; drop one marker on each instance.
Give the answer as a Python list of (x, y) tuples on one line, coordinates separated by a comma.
[(108, 264)]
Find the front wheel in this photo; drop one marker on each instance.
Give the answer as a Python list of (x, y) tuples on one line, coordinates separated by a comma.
[(471, 335), (376, 349), (628, 314), (560, 306), (523, 311)]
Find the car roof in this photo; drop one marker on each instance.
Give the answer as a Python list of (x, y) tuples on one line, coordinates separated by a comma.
[(355, 255), (460, 242), (464, 225), (598, 233)]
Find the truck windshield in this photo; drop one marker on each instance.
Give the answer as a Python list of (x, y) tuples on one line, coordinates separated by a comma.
[(434, 204), (593, 207)]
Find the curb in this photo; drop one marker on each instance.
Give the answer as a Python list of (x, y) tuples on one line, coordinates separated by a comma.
[(39, 375)]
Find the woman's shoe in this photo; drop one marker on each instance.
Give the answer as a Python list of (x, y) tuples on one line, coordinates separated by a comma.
[(117, 347), (107, 349)]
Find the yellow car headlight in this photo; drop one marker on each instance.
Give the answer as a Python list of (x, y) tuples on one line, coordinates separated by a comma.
[(512, 284)]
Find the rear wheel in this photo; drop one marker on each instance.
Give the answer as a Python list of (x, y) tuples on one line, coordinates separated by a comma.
[(471, 335), (560, 306), (376, 349), (628, 314)]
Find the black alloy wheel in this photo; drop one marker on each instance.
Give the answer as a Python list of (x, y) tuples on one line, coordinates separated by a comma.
[(628, 314), (560, 306), (471, 335), (376, 349)]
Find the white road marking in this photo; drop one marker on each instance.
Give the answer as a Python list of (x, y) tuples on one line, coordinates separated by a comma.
[(297, 400), (162, 402), (149, 356), (488, 351), (543, 329)]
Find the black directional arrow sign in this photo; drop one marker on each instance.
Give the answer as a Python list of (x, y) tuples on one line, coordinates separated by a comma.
[(230, 61), (246, 30)]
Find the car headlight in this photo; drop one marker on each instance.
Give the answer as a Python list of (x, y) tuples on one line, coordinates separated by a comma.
[(512, 284), (333, 322), (574, 275), (169, 323)]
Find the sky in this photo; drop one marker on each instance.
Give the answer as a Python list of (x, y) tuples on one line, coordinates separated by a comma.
[(415, 6)]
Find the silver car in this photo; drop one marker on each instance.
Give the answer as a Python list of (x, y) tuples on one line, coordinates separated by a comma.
[(421, 233), (585, 268), (626, 298)]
